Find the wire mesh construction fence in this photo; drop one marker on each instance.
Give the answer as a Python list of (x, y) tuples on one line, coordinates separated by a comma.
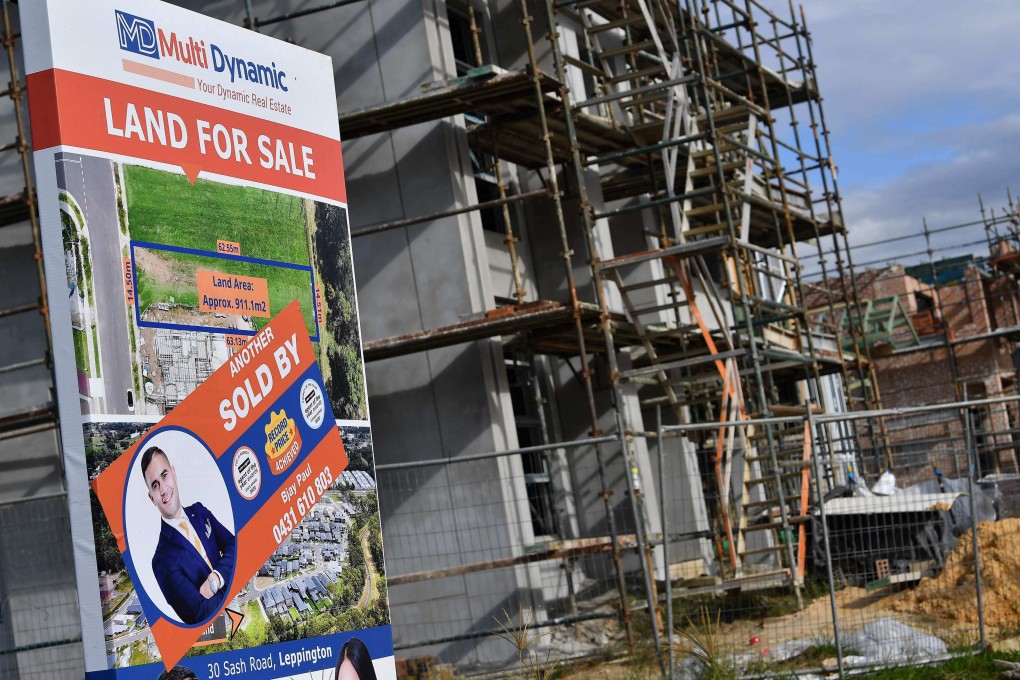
[(475, 547), (820, 543), (40, 634)]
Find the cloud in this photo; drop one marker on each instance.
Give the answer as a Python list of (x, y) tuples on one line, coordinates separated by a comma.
[(880, 60), (919, 100), (984, 162)]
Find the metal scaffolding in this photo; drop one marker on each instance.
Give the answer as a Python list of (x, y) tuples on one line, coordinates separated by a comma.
[(680, 111)]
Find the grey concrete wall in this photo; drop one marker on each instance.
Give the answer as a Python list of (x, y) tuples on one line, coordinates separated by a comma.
[(23, 335), (584, 471), (509, 46), (38, 599), (38, 604), (545, 246), (501, 269)]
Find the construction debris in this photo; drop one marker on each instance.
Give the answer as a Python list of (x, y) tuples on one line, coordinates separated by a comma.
[(1011, 669), (887, 640), (941, 596)]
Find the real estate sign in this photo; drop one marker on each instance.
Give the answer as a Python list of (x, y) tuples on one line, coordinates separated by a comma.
[(207, 348)]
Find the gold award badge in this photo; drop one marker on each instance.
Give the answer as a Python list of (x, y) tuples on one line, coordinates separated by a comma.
[(283, 443)]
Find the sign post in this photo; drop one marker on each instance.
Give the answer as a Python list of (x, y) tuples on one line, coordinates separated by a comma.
[(207, 348)]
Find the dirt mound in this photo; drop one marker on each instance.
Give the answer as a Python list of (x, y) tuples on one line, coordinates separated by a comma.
[(952, 594)]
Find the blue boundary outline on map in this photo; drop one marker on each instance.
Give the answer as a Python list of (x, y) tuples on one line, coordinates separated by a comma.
[(218, 255)]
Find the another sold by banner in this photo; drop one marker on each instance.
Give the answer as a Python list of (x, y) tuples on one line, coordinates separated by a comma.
[(263, 434), (207, 348)]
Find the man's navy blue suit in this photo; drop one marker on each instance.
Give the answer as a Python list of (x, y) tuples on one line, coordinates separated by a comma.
[(180, 570)]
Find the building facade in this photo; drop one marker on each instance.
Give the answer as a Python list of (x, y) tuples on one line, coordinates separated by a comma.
[(571, 221)]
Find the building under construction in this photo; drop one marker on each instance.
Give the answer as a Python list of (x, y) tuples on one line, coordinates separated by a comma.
[(575, 222), (617, 231)]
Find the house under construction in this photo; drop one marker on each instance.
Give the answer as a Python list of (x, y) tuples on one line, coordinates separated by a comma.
[(942, 330), (565, 216), (574, 222)]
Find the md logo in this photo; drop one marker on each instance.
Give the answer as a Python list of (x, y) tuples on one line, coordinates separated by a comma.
[(137, 35)]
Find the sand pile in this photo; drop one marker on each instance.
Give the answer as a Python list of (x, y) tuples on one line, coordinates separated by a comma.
[(952, 595)]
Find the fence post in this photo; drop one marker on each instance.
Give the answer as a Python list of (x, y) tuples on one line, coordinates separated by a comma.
[(665, 539), (820, 495), (971, 472), (640, 529)]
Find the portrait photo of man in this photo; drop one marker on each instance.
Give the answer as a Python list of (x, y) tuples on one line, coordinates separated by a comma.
[(195, 553)]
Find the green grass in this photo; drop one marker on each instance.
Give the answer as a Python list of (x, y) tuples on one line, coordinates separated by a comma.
[(121, 212), (67, 229), (69, 232), (124, 582), (166, 208), (86, 267), (643, 666), (294, 614), (255, 623), (975, 667), (81, 351), (284, 284), (95, 349), (139, 655), (134, 353), (64, 196), (373, 594)]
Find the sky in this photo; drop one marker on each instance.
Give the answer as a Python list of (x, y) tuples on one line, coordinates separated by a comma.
[(922, 100)]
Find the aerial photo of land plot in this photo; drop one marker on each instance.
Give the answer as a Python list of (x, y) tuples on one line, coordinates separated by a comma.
[(168, 279)]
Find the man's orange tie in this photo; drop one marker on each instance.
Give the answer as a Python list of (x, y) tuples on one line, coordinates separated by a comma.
[(194, 541)]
